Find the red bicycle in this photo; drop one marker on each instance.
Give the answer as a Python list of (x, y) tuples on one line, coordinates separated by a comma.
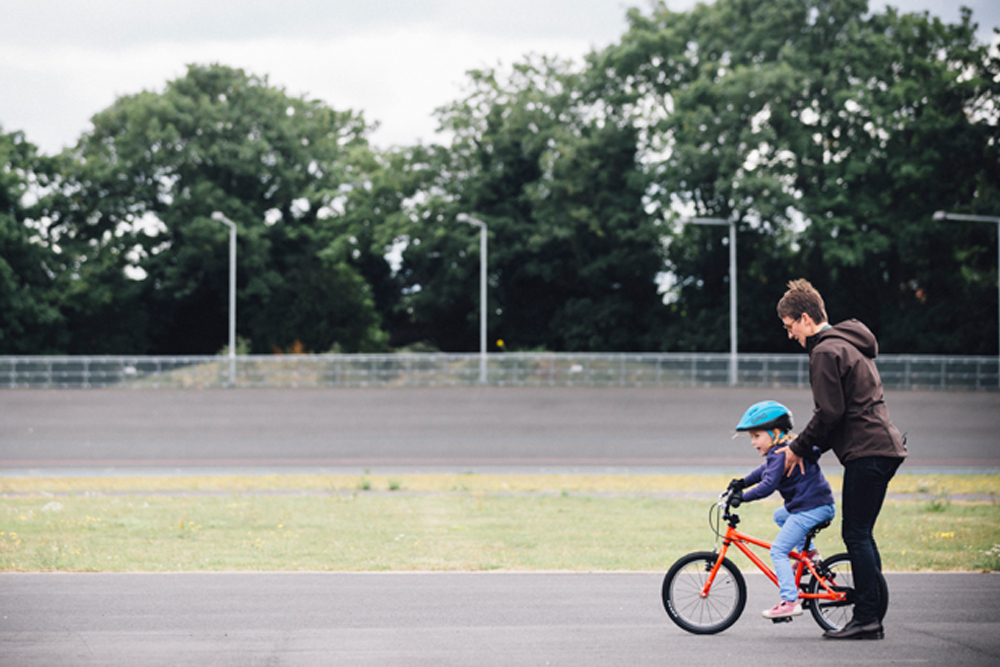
[(705, 593)]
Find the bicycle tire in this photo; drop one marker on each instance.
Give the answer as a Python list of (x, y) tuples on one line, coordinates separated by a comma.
[(682, 599), (835, 615)]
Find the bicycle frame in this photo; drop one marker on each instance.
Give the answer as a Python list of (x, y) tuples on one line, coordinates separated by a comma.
[(741, 541)]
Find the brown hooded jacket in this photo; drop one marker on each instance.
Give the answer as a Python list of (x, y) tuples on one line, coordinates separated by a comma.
[(849, 416)]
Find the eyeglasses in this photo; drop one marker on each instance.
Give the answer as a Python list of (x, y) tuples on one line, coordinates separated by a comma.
[(788, 327)]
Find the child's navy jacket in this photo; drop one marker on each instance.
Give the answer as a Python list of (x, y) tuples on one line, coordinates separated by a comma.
[(801, 491)]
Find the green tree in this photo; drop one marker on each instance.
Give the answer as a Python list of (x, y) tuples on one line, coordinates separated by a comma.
[(573, 255), (30, 318), (830, 136), (136, 201)]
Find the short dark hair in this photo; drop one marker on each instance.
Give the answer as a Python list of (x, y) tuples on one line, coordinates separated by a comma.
[(800, 298)]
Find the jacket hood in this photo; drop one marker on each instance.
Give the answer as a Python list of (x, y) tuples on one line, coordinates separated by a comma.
[(852, 331)]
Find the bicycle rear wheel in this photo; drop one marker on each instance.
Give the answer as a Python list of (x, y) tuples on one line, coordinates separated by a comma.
[(682, 589), (834, 615)]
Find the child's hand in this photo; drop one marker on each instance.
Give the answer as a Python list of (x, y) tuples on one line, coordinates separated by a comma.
[(792, 460)]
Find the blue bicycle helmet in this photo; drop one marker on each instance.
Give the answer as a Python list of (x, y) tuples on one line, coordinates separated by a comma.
[(765, 416)]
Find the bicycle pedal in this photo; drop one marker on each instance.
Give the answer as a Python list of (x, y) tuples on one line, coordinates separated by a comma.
[(783, 619)]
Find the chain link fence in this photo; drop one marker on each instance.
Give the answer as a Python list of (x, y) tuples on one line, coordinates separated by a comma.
[(502, 369)]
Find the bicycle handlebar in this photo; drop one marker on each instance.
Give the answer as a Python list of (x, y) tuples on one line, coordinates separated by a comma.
[(725, 513)]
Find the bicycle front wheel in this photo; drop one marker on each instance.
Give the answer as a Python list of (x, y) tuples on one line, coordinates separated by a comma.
[(836, 570), (682, 594)]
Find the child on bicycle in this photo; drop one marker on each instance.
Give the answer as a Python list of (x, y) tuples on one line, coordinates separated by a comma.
[(807, 495)]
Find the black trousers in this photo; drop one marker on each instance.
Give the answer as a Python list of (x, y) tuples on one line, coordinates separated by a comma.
[(865, 484)]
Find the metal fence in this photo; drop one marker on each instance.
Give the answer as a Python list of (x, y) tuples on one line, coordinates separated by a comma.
[(503, 369)]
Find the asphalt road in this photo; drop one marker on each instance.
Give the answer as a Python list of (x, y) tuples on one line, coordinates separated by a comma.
[(483, 619), (466, 428)]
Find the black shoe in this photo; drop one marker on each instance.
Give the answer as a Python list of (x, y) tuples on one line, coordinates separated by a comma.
[(855, 630)]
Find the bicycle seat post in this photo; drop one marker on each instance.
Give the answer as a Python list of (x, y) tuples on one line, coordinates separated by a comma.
[(811, 535)]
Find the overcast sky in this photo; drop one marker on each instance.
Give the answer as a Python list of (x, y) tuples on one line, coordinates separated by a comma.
[(62, 61)]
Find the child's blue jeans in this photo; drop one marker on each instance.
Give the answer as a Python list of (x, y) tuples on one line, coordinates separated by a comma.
[(793, 536)]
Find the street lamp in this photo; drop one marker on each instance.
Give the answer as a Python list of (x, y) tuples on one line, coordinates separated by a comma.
[(232, 294), (942, 215), (732, 287), (462, 217)]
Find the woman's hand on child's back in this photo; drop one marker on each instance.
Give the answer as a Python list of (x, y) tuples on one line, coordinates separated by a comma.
[(792, 460)]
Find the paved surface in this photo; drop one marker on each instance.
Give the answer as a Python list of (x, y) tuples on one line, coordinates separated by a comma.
[(450, 427), (579, 620)]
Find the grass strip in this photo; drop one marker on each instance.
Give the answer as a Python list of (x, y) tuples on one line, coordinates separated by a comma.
[(441, 522), (934, 484)]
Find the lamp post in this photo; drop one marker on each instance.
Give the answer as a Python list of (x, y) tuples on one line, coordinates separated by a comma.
[(232, 294), (943, 215), (462, 217), (732, 287)]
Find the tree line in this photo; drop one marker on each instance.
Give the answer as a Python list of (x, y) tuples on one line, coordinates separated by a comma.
[(828, 134)]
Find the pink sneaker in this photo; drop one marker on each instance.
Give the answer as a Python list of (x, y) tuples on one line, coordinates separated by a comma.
[(812, 556), (783, 609)]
